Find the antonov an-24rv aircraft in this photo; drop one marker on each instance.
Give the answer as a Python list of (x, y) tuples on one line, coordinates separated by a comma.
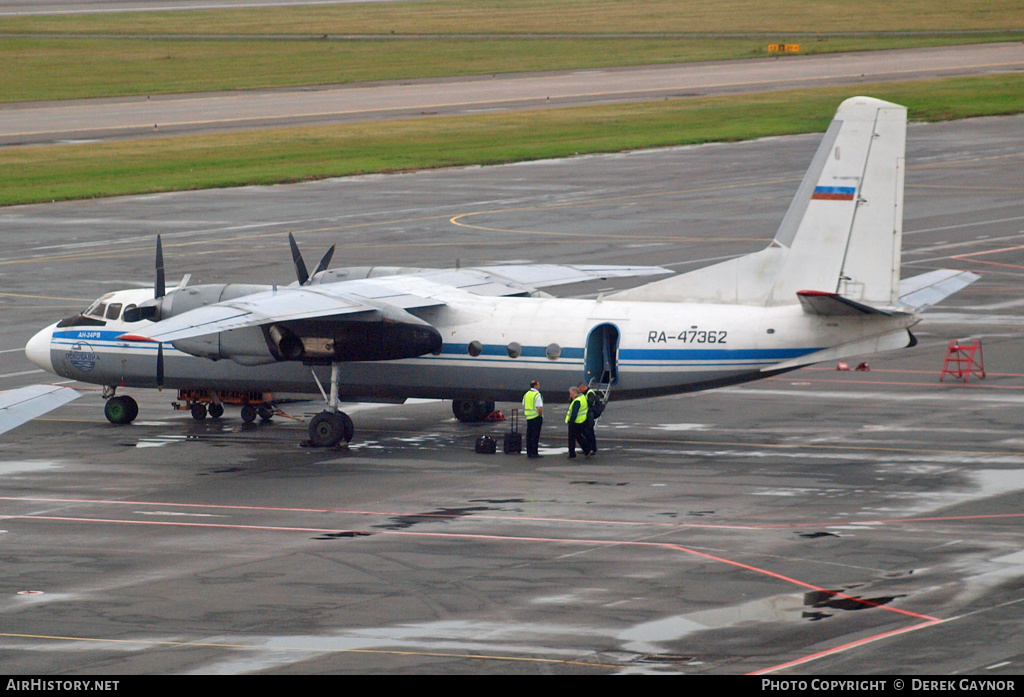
[(826, 287)]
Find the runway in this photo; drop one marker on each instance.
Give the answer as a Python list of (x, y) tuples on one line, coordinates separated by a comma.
[(819, 523), (167, 115)]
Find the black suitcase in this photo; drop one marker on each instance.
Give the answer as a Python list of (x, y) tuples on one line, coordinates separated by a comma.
[(513, 442), (485, 445)]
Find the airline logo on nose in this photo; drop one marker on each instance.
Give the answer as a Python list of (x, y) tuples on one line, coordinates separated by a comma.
[(82, 357)]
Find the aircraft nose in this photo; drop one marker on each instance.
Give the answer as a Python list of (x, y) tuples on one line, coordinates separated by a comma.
[(38, 349)]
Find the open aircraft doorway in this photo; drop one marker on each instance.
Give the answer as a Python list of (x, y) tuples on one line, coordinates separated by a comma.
[(600, 362)]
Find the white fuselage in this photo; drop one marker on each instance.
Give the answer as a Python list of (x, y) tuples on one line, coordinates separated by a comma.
[(493, 347)]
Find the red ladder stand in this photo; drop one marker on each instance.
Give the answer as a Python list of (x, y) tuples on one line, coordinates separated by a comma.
[(960, 361)]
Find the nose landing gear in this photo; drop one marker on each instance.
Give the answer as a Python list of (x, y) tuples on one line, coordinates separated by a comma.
[(120, 410)]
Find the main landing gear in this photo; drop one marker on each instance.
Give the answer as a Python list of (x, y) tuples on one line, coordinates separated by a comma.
[(331, 426), (470, 411)]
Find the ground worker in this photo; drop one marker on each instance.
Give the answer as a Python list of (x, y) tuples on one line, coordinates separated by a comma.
[(533, 410), (588, 427), (575, 418)]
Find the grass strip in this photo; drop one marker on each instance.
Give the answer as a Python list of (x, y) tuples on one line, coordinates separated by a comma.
[(505, 17), (35, 174)]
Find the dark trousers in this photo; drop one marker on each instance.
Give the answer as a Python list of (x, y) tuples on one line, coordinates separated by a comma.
[(533, 435), (590, 436), (577, 435)]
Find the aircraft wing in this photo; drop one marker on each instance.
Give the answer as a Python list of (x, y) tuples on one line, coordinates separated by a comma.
[(252, 310), (288, 303), (548, 275), (26, 403), (390, 295)]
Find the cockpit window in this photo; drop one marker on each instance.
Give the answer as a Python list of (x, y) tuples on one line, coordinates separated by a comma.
[(99, 308), (113, 311)]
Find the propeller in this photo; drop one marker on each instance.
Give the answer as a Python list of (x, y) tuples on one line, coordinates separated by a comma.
[(300, 266), (159, 288), (322, 266), (160, 366)]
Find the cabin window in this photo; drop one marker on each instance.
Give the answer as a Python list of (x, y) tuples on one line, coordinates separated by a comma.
[(553, 351), (475, 348), (515, 349)]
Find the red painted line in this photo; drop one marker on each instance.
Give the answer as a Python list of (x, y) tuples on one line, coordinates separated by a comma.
[(797, 582), (494, 538), (968, 257), (844, 647), (988, 251)]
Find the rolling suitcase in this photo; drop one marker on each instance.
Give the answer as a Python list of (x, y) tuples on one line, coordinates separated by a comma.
[(513, 442)]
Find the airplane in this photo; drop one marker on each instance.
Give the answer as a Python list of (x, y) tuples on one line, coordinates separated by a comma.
[(826, 287)]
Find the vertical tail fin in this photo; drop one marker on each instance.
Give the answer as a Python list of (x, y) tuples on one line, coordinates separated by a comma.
[(841, 234)]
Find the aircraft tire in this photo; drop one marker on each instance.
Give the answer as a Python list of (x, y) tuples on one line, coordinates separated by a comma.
[(216, 410), (350, 428), (198, 411), (119, 410), (248, 413), (133, 408), (465, 410), (327, 429)]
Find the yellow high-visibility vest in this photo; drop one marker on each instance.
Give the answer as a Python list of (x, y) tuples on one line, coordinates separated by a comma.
[(530, 404), (581, 415)]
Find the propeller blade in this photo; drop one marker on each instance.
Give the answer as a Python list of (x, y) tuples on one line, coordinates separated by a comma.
[(322, 266), (160, 366), (160, 288), (300, 266)]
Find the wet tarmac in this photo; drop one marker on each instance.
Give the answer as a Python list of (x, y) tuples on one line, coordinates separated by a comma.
[(823, 522)]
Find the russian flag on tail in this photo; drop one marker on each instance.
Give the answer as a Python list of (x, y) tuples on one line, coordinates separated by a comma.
[(833, 193)]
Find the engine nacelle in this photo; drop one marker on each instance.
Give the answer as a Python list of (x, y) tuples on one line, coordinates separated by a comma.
[(189, 298), (245, 346), (385, 334)]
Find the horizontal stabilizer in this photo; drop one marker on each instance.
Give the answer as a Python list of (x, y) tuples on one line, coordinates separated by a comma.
[(819, 302), (924, 290)]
